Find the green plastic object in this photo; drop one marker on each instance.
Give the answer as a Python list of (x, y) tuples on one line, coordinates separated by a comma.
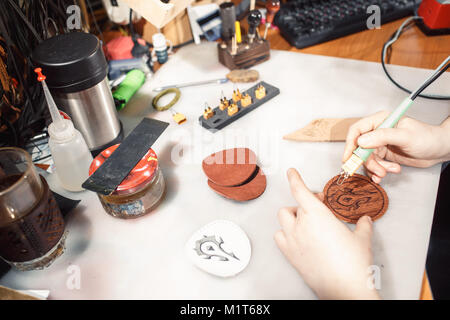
[(128, 87)]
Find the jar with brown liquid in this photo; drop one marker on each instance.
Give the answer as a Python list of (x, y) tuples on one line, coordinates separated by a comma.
[(31, 224)]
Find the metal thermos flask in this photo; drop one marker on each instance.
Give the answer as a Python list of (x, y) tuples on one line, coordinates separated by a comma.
[(76, 71)]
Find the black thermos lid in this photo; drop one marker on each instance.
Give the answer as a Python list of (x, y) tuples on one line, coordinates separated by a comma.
[(71, 62)]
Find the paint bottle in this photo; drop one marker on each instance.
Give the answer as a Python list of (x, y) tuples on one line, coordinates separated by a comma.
[(160, 47)]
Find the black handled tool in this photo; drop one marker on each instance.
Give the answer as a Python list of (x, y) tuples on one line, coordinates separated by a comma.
[(254, 20)]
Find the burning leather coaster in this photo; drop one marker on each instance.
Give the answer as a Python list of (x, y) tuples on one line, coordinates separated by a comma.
[(358, 196), (220, 248), (231, 167), (245, 192)]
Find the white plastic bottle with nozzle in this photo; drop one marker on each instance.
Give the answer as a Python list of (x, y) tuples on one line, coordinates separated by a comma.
[(69, 150)]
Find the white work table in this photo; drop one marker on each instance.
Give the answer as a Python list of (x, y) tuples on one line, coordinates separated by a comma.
[(144, 258)]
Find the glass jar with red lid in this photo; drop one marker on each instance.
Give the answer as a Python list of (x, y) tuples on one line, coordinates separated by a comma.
[(139, 193)]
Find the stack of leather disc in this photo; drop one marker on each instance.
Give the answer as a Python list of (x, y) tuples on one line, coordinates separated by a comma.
[(234, 174)]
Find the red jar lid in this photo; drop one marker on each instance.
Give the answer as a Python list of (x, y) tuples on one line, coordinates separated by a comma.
[(143, 172)]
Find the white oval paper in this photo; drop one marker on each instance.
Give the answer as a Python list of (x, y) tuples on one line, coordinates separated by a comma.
[(220, 248)]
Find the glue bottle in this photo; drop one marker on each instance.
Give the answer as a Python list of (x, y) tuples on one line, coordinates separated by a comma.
[(69, 150)]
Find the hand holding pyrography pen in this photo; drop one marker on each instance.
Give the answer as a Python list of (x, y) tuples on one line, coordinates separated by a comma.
[(360, 155)]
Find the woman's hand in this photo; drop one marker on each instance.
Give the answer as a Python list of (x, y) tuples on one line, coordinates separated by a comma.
[(333, 260), (412, 143)]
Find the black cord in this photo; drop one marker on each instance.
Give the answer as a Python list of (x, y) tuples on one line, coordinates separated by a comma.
[(430, 81), (91, 11), (27, 23), (405, 89), (130, 24), (138, 49), (23, 24), (178, 46), (10, 52)]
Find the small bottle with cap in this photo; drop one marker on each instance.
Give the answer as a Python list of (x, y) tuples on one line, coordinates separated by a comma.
[(160, 47), (69, 150)]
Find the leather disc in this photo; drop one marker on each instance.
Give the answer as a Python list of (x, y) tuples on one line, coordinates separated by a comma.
[(230, 167), (248, 191), (358, 196)]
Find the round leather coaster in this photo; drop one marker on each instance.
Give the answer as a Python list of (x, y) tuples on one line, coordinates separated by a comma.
[(358, 196), (245, 192), (231, 167)]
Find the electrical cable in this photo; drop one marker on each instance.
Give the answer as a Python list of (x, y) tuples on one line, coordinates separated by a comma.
[(16, 68), (27, 23), (91, 11), (178, 46), (130, 23), (439, 71), (138, 50), (387, 46), (23, 25)]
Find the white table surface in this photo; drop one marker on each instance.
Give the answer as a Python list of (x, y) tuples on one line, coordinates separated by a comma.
[(144, 258)]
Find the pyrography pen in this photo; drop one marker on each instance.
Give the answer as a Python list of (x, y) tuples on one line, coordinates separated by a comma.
[(360, 155)]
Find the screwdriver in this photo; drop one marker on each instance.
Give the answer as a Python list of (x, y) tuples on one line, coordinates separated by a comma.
[(254, 19), (272, 7)]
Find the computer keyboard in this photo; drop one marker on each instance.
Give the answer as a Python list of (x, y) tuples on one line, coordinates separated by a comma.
[(307, 22)]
